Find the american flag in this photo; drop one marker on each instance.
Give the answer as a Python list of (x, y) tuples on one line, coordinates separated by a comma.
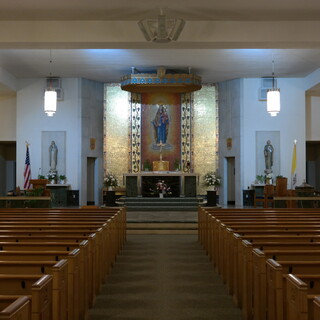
[(27, 171)]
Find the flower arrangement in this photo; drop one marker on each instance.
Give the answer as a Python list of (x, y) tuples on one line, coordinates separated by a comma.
[(162, 187), (51, 176), (110, 180), (212, 179)]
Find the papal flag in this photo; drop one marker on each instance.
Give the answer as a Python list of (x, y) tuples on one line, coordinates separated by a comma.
[(294, 166)]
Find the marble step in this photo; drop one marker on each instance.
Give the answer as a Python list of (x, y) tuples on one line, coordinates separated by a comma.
[(161, 208), (162, 228)]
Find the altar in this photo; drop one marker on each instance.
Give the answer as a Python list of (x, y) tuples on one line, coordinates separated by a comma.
[(143, 183)]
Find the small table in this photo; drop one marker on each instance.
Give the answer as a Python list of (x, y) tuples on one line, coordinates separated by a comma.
[(59, 193)]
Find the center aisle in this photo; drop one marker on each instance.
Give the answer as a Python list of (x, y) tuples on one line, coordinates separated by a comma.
[(161, 277)]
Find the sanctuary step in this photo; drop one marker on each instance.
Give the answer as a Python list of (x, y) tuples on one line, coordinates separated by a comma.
[(162, 228), (160, 204)]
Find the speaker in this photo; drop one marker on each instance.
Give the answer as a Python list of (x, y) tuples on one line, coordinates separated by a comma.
[(248, 198), (73, 198), (110, 199), (211, 198)]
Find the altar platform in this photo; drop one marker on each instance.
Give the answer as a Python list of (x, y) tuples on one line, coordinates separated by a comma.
[(160, 204)]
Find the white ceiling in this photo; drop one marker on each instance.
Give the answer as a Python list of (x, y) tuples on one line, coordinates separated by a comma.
[(108, 65), (109, 62), (138, 9)]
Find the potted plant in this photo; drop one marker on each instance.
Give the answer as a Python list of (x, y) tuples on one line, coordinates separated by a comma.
[(147, 165), (176, 165), (40, 176), (110, 181), (260, 179), (52, 178), (62, 179)]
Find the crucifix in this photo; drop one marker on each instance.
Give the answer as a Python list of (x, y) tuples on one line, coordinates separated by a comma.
[(160, 145)]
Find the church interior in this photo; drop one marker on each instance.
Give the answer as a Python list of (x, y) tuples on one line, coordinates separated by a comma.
[(159, 160)]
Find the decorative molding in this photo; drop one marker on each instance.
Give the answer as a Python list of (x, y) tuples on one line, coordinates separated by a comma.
[(135, 133), (161, 82), (186, 132)]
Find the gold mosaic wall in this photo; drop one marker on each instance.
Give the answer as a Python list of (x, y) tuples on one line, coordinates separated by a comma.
[(205, 132), (116, 131), (199, 131)]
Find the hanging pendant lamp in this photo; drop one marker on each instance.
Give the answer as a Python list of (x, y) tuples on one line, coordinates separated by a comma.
[(50, 102), (273, 97), (50, 95)]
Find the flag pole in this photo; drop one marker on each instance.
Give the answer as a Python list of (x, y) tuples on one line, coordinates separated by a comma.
[(294, 165), (27, 169)]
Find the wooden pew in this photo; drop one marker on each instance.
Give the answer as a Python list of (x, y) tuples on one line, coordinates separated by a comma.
[(242, 272), (92, 278), (116, 227), (259, 295), (101, 258), (66, 213), (316, 307), (95, 267), (15, 307), (108, 249), (276, 283), (240, 255), (39, 287), (59, 273), (208, 242), (74, 287), (301, 292), (230, 254), (224, 245)]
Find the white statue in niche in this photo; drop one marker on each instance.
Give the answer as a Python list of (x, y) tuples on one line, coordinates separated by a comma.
[(53, 157)]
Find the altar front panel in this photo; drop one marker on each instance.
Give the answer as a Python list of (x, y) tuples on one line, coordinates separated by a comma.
[(144, 183)]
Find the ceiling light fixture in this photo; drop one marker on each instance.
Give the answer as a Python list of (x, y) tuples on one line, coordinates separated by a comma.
[(273, 97), (161, 29), (50, 95)]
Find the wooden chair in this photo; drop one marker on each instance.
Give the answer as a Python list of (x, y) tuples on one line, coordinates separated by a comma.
[(258, 197), (268, 195)]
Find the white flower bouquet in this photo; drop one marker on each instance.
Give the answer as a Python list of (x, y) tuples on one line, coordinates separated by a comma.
[(161, 186), (212, 179), (110, 180)]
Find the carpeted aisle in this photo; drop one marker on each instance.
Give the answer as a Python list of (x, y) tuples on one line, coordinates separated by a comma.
[(163, 277)]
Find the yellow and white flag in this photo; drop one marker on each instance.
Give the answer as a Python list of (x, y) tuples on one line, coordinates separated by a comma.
[(294, 166)]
